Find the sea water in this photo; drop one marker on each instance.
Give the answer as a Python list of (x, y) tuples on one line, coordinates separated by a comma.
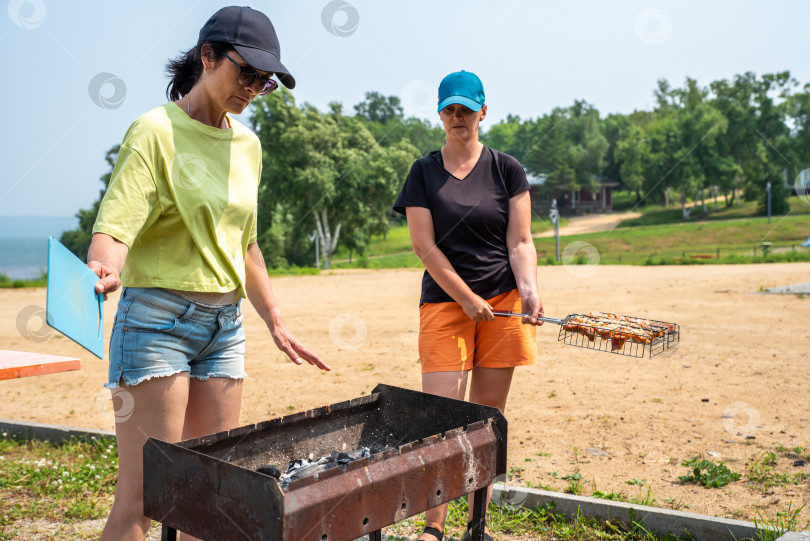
[(24, 243)]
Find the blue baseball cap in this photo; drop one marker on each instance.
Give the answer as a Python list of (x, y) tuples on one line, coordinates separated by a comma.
[(461, 87)]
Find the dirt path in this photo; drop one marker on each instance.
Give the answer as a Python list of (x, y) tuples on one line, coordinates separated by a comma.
[(735, 389), (590, 223)]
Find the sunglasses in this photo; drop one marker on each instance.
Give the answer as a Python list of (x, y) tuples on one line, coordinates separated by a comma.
[(248, 76)]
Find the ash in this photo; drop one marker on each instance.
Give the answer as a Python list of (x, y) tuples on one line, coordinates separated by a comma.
[(303, 467)]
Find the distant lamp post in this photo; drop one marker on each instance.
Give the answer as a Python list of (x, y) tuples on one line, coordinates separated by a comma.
[(768, 191), (554, 216)]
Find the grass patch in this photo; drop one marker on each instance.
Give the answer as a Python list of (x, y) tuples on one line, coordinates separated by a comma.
[(772, 528), (391, 261), (397, 242), (658, 238), (293, 271), (708, 474), (41, 281), (657, 215), (762, 473), (542, 523), (694, 243), (75, 481), (72, 481), (397, 239)]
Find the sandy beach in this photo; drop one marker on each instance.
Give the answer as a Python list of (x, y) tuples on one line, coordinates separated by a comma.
[(734, 389)]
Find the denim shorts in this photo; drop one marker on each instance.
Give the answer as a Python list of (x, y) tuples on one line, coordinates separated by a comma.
[(157, 333)]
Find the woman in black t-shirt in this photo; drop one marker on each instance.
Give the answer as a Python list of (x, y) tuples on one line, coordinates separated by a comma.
[(469, 217)]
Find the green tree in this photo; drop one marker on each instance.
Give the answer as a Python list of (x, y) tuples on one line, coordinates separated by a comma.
[(630, 151), (327, 172), (78, 240), (506, 136), (383, 117), (757, 138), (798, 111), (379, 109)]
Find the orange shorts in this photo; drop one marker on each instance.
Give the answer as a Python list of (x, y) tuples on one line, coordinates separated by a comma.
[(449, 341)]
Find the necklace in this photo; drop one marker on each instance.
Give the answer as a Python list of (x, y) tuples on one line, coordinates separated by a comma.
[(188, 105)]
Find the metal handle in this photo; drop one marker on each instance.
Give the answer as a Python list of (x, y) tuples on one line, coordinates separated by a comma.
[(544, 319)]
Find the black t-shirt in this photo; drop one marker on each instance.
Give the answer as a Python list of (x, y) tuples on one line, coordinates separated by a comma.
[(469, 218)]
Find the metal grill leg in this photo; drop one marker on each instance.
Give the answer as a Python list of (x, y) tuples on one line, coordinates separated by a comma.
[(375, 536), (168, 534), (479, 518)]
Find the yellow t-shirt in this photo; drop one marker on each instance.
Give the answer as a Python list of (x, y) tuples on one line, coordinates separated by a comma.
[(183, 198)]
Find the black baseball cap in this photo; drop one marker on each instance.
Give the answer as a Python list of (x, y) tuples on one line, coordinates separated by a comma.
[(252, 35)]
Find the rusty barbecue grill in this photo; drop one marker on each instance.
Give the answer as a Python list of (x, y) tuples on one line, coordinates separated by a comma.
[(633, 337), (438, 449)]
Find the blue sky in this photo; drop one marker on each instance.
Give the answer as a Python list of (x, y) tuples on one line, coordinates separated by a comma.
[(62, 112)]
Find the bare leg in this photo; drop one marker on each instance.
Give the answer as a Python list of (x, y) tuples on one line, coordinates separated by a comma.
[(213, 406), (154, 408), (448, 385), (490, 387)]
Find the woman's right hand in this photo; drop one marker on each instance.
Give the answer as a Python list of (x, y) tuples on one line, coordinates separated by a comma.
[(477, 309), (106, 257), (108, 274)]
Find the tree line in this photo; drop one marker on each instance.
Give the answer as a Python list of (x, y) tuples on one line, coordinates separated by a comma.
[(728, 139), (331, 177)]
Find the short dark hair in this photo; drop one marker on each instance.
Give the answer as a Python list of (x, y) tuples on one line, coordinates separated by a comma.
[(185, 70)]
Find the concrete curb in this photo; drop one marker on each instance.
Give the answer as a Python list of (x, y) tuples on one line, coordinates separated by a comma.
[(657, 520), (795, 536), (52, 433)]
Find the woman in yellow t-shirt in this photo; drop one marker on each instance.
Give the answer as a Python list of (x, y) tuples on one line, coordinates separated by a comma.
[(178, 222)]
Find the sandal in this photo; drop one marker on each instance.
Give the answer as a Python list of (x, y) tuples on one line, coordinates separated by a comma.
[(430, 530), (468, 535)]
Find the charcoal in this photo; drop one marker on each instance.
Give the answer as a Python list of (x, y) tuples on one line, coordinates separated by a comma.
[(270, 469), (302, 467)]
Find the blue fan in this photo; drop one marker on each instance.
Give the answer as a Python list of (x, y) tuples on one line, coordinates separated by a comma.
[(73, 306)]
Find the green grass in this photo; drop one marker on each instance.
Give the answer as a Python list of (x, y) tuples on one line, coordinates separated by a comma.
[(657, 215), (396, 240), (74, 481), (773, 527), (70, 482), (397, 243), (542, 523), (41, 281), (708, 473), (294, 271), (677, 243), (763, 473), (659, 238)]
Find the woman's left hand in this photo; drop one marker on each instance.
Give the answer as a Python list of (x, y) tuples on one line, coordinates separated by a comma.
[(531, 304), (286, 342)]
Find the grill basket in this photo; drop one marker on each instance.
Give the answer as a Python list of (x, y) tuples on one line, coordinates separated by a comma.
[(666, 336)]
